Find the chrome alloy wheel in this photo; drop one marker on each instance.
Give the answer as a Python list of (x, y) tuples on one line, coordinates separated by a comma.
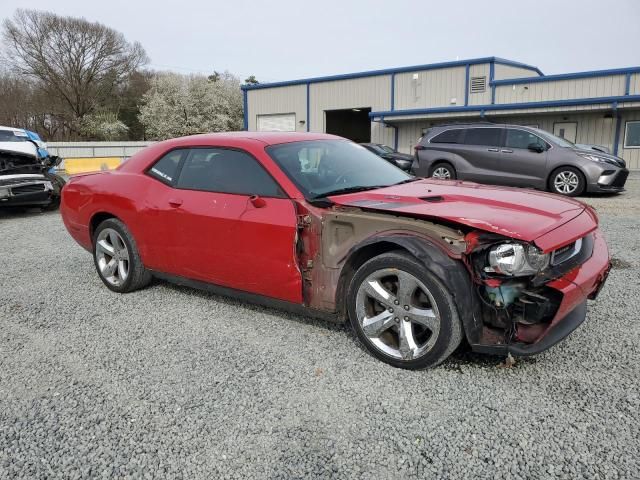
[(112, 257), (441, 172), (566, 182), (398, 314)]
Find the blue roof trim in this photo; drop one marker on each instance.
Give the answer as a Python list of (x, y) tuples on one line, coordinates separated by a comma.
[(511, 63), (388, 71), (505, 106), (245, 104), (568, 76)]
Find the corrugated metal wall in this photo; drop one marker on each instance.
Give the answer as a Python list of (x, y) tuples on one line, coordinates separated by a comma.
[(634, 85), (507, 71), (290, 99), (562, 89), (371, 92), (95, 149), (432, 88), (482, 70)]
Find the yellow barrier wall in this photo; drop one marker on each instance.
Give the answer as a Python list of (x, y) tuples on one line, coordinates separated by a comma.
[(84, 165)]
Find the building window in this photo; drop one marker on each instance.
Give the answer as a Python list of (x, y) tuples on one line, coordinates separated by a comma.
[(632, 135)]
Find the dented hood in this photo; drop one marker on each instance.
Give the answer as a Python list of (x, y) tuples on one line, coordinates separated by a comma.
[(513, 212)]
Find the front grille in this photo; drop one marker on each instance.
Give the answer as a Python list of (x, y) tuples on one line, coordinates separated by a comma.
[(565, 259), (565, 253), (620, 179), (33, 188)]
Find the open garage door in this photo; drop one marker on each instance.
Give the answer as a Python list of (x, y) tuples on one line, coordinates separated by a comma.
[(351, 123), (281, 122)]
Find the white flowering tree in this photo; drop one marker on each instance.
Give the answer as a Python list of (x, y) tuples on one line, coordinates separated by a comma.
[(179, 105)]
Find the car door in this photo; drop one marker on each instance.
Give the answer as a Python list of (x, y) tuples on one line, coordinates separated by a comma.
[(158, 242), (480, 151), (233, 225), (523, 159)]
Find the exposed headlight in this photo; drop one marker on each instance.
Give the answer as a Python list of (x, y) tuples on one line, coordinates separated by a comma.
[(597, 158), (516, 260)]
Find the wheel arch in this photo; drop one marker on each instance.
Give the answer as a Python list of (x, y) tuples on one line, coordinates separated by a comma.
[(565, 165), (452, 273), (443, 160), (97, 218)]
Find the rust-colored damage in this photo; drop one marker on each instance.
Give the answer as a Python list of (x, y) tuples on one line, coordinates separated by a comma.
[(328, 237)]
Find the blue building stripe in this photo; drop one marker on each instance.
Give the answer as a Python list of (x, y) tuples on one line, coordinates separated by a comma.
[(466, 84), (507, 106), (245, 107), (388, 71)]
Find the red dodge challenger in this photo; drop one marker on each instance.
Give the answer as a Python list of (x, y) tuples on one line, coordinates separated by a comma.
[(319, 225)]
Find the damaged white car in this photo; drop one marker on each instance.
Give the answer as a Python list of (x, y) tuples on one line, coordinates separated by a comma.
[(27, 178)]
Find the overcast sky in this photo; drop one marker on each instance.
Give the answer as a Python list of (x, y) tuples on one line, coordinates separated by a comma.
[(289, 39)]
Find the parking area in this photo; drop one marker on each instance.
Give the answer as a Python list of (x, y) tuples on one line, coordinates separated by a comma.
[(173, 382)]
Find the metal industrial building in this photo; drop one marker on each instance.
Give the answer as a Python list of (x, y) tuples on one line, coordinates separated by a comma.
[(395, 106)]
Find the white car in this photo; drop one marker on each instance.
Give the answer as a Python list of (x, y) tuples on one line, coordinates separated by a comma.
[(24, 176)]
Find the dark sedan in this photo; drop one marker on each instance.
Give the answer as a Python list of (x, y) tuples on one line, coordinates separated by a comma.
[(400, 160)]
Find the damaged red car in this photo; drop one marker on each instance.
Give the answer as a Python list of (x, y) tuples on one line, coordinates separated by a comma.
[(319, 225)]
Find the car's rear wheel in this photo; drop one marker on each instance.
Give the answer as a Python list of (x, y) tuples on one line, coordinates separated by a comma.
[(402, 313), (442, 170), (567, 181), (116, 257)]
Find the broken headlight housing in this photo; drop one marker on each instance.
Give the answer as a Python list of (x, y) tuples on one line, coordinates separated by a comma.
[(516, 259)]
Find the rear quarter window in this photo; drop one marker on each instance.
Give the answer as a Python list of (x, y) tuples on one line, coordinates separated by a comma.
[(166, 168)]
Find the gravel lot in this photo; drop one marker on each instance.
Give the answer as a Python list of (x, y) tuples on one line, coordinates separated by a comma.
[(172, 382)]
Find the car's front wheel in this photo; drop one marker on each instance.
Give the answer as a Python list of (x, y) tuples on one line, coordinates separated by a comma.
[(567, 181), (116, 257), (402, 313)]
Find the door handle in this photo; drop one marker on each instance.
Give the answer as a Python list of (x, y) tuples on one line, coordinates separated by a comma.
[(493, 149), (175, 202), (506, 150)]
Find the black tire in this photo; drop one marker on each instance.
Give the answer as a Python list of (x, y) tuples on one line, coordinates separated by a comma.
[(581, 185), (450, 328), (58, 183), (443, 166), (138, 276)]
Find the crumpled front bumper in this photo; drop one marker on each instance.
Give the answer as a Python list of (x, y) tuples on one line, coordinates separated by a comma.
[(582, 283), (18, 191)]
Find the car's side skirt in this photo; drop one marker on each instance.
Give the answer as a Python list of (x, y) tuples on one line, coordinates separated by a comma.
[(298, 309)]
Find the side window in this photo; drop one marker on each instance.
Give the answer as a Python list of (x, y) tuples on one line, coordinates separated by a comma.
[(226, 171), (166, 168), (523, 139), (489, 137), (448, 136)]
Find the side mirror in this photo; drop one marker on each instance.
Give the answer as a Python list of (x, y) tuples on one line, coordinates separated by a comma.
[(536, 147), (257, 201)]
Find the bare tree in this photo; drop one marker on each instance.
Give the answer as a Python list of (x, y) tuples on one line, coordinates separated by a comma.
[(81, 63)]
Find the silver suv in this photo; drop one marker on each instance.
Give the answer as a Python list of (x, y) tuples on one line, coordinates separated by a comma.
[(516, 156)]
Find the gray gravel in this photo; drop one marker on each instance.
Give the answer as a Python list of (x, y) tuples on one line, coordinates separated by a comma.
[(172, 382)]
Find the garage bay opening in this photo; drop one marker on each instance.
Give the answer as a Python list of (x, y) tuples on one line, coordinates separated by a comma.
[(351, 123)]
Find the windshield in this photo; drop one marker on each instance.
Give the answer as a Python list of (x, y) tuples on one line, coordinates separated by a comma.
[(13, 136), (561, 142), (387, 149), (326, 167)]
